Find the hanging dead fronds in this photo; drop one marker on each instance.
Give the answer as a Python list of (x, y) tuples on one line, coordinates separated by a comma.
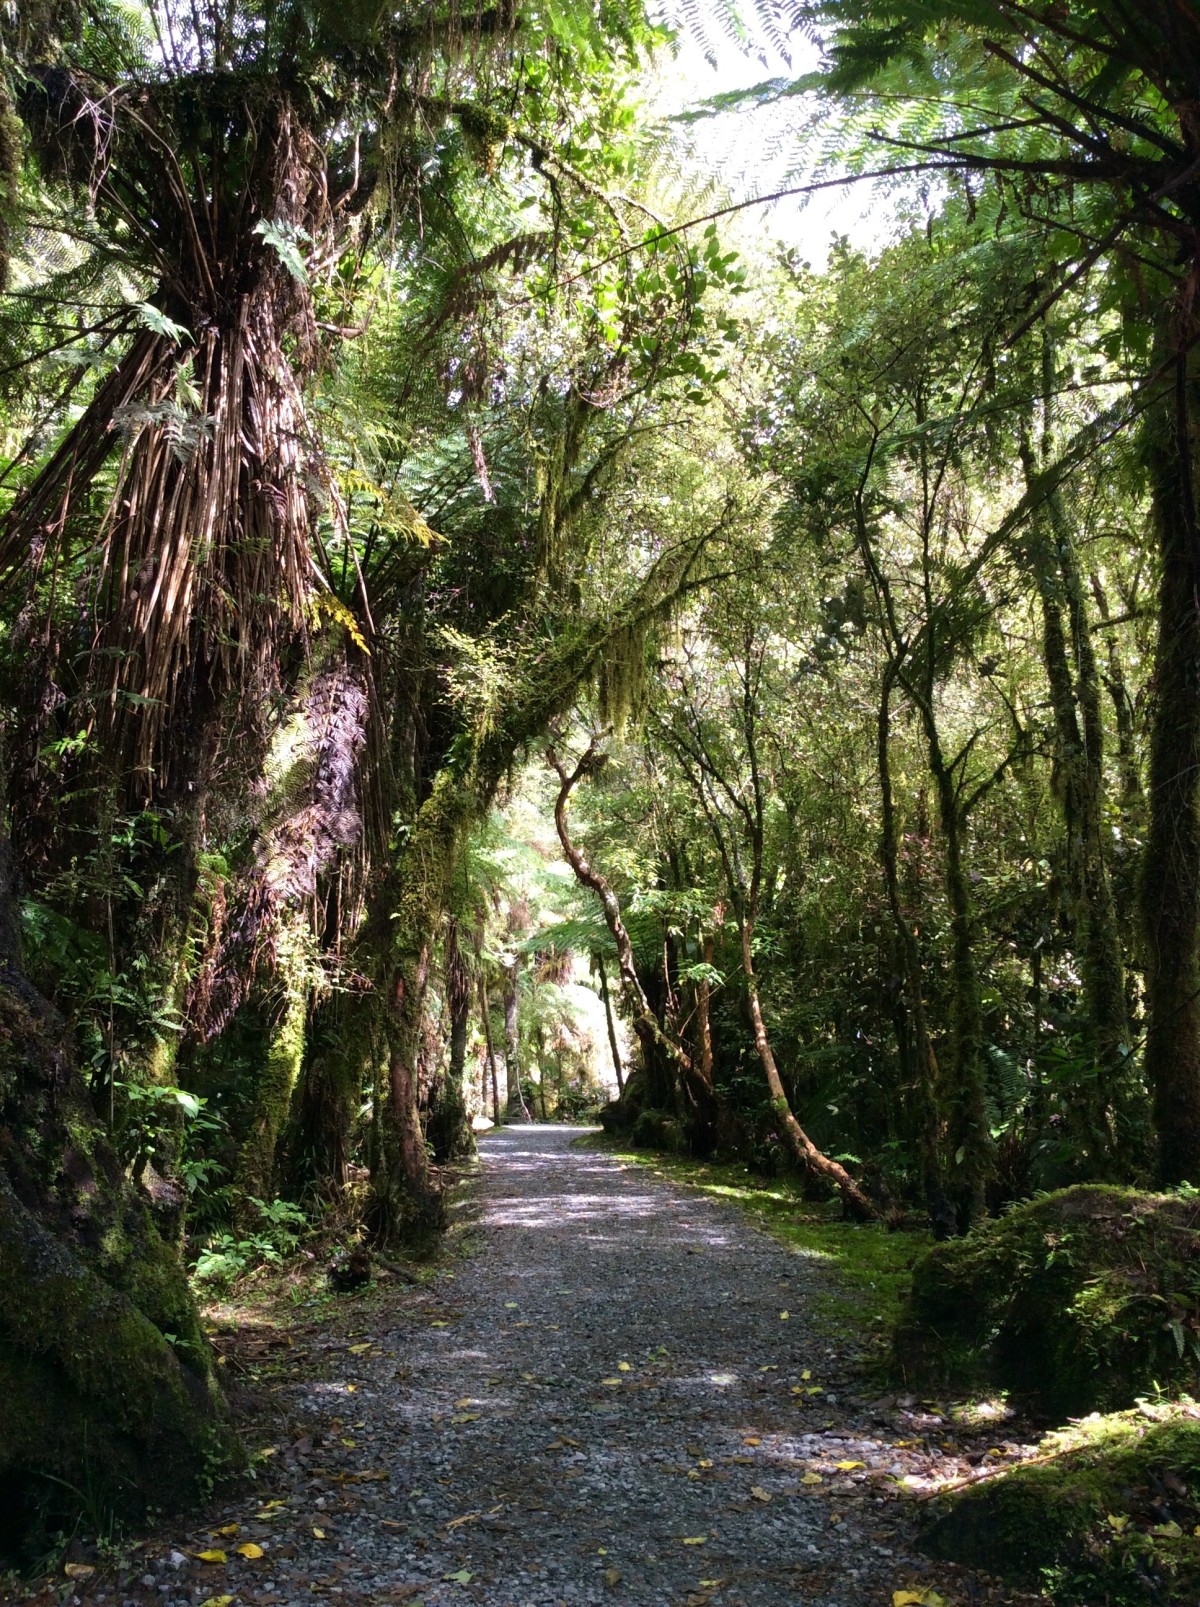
[(312, 822), (202, 569)]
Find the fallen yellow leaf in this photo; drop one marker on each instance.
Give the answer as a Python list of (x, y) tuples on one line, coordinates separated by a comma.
[(211, 1556), (812, 1478), (216, 1601), (466, 1417), (806, 1374), (759, 1494), (610, 1381), (848, 1467), (784, 1315), (229, 1528), (623, 1367), (704, 1462), (510, 1305), (357, 1350), (318, 1534), (78, 1570), (465, 1401), (249, 1549), (351, 1388), (695, 1539), (751, 1439)]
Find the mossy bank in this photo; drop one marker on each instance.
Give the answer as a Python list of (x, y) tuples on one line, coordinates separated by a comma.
[(1083, 1300)]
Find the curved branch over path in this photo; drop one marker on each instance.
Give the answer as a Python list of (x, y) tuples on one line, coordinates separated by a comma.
[(645, 1023)]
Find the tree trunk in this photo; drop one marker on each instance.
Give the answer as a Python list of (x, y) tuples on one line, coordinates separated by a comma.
[(1074, 685), (340, 1063), (855, 1203), (613, 1045), (1171, 868), (704, 1013), (516, 1109), (925, 1070), (278, 1077), (408, 911), (485, 1011), (650, 1033), (449, 1127), (105, 1370), (968, 1138)]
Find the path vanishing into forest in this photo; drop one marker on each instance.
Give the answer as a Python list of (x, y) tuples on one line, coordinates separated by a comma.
[(621, 1396)]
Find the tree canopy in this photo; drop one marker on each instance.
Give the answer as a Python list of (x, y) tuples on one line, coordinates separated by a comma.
[(488, 629)]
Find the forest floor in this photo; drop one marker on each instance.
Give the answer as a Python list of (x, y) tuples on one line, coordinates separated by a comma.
[(621, 1390)]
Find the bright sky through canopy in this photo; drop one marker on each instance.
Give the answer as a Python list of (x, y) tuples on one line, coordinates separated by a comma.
[(757, 151)]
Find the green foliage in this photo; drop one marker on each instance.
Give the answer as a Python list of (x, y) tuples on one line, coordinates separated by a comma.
[(1076, 1301), (1105, 1514), (225, 1257)]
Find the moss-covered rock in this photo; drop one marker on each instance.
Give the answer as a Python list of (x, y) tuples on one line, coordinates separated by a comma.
[(1084, 1300), (108, 1398), (657, 1129), (1105, 1516)]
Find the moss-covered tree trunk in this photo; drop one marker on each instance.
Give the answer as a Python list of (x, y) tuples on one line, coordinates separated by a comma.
[(1171, 867), (449, 1128), (925, 1116), (277, 1080), (410, 908), (1074, 683), (339, 1064), (969, 1147), (105, 1372), (485, 1013), (613, 1045), (515, 1108)]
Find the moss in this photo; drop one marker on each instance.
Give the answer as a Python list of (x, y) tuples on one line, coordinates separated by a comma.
[(656, 1129), (1083, 1300), (273, 1090), (110, 1402), (95, 1391), (1105, 1516)]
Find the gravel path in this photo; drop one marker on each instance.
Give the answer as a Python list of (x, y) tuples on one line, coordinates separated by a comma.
[(621, 1397)]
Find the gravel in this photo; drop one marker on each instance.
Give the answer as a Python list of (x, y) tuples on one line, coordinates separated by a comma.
[(623, 1395)]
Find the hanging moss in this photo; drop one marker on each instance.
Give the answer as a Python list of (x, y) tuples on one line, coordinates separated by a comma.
[(621, 676)]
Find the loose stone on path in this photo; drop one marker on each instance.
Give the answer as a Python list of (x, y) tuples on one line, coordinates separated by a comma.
[(623, 1396)]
